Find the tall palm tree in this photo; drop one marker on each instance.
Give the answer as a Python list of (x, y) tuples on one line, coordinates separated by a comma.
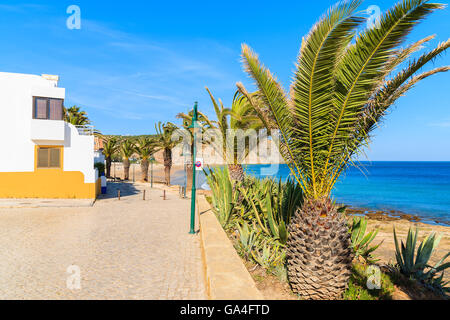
[(241, 116), (165, 141), (127, 149), (110, 148), (344, 84), (205, 124), (75, 116), (145, 148)]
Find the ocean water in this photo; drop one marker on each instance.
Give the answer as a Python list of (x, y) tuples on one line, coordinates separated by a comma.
[(418, 188)]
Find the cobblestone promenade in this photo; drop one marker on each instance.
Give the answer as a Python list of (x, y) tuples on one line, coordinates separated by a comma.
[(128, 249)]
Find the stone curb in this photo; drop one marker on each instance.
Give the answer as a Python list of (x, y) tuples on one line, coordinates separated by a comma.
[(226, 276)]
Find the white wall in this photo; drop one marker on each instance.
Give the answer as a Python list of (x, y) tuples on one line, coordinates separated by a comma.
[(16, 114), (79, 153)]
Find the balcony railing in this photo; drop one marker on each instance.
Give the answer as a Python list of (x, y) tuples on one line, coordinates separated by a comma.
[(85, 130)]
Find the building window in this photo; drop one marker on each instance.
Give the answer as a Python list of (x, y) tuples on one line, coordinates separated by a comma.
[(48, 108), (49, 158)]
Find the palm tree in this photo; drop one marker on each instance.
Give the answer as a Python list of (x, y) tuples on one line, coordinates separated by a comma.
[(145, 148), (241, 116), (343, 86), (110, 148), (164, 141), (127, 149), (205, 124), (75, 116)]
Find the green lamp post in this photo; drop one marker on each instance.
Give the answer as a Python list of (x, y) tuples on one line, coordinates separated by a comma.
[(194, 126)]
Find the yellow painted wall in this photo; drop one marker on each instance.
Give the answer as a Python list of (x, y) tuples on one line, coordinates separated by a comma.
[(47, 184)]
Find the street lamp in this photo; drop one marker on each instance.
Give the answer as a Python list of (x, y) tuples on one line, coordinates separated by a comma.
[(194, 126)]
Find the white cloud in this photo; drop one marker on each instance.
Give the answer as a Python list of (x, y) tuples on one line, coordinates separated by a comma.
[(444, 124), (20, 8)]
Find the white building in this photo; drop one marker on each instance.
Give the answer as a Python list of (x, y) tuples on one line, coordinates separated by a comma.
[(41, 155)]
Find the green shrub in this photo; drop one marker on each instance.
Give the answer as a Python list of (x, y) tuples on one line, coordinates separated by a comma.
[(100, 167), (358, 289)]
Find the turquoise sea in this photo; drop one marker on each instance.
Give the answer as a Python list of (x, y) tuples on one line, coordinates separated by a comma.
[(417, 188)]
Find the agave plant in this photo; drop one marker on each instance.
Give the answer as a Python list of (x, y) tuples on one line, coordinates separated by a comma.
[(223, 195), (415, 265), (288, 199), (344, 84), (248, 239), (361, 241), (271, 205), (270, 256)]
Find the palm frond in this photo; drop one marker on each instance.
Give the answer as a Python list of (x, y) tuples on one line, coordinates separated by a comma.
[(275, 99), (342, 87), (311, 90), (393, 89), (362, 69), (402, 54)]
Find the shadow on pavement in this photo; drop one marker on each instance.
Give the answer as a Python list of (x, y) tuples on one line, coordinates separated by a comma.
[(126, 190)]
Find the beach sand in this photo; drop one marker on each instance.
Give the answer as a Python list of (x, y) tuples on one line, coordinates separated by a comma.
[(386, 252)]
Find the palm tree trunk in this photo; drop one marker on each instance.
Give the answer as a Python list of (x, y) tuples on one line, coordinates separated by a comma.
[(167, 174), (236, 172), (189, 168), (144, 170), (126, 169), (108, 167), (167, 164), (319, 252)]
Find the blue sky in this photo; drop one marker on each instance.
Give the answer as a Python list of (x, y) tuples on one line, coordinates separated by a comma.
[(134, 63)]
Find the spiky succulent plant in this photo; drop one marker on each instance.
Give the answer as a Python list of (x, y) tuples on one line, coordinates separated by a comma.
[(415, 264)]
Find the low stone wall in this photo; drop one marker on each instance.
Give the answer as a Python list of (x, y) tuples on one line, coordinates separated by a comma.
[(226, 276)]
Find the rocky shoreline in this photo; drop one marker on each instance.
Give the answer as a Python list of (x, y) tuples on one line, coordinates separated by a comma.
[(393, 215)]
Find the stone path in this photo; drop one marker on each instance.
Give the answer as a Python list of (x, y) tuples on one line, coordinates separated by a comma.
[(128, 249), (44, 203)]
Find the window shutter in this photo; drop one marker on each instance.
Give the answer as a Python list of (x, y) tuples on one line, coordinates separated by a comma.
[(41, 108), (43, 158), (55, 158), (49, 158), (56, 109)]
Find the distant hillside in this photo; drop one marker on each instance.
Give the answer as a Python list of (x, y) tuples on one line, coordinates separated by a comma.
[(131, 137)]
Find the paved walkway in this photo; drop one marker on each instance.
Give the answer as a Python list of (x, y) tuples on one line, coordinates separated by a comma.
[(128, 249), (44, 203)]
